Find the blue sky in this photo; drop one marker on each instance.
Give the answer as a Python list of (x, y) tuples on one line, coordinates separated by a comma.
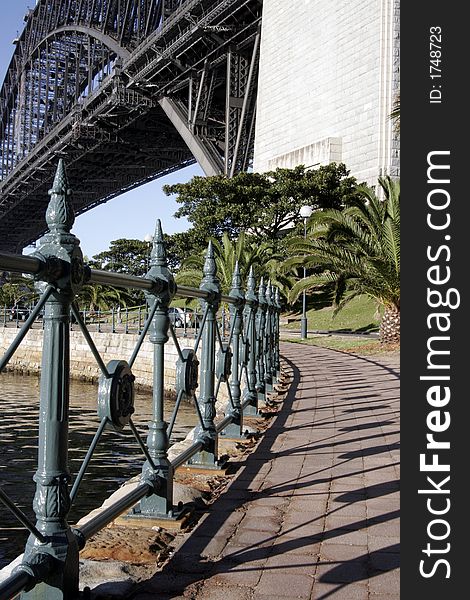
[(131, 215)]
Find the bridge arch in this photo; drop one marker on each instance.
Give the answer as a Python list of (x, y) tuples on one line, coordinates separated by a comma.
[(107, 40), (60, 72), (118, 25), (126, 91)]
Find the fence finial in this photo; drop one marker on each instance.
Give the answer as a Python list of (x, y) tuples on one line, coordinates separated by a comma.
[(262, 291), (236, 277), (60, 215), (210, 267), (158, 255), (269, 293), (251, 285)]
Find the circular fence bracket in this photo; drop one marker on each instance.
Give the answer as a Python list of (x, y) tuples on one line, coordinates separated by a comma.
[(187, 370), (223, 366), (116, 395)]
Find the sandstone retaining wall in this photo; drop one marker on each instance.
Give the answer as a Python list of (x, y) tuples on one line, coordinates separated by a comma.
[(111, 346)]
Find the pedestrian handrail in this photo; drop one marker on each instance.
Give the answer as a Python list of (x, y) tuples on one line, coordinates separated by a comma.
[(118, 319), (245, 362)]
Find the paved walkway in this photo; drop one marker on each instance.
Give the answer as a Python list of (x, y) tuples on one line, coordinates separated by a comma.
[(313, 512)]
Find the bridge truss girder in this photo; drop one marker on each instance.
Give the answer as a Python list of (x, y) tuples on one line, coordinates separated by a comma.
[(123, 107)]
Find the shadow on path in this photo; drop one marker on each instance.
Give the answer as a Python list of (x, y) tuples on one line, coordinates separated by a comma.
[(302, 513)]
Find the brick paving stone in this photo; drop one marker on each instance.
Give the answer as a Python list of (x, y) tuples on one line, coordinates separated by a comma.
[(351, 591), (173, 583), (385, 529), (384, 583), (189, 563), (376, 513), (348, 571), (214, 545), (385, 561), (314, 510), (303, 500), (267, 524), (151, 596), (220, 528), (261, 512), (225, 593), (285, 585), (344, 536), (331, 551), (284, 561), (385, 503), (261, 500), (302, 531), (356, 509), (252, 556), (309, 546), (250, 537), (383, 544), (334, 521), (249, 483), (245, 576)]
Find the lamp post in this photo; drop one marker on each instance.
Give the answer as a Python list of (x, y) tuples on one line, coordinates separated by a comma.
[(305, 212), (148, 239)]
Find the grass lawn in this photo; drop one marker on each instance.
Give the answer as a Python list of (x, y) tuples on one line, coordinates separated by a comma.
[(362, 347), (360, 315)]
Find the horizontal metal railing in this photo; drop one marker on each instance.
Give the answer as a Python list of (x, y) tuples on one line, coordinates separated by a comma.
[(117, 319), (245, 361)]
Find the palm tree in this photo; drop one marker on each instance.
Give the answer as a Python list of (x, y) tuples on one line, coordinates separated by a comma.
[(102, 297), (247, 253), (358, 250)]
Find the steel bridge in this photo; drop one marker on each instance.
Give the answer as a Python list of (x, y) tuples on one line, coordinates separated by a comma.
[(125, 91)]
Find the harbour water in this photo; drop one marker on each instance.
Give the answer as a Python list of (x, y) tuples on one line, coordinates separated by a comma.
[(116, 459)]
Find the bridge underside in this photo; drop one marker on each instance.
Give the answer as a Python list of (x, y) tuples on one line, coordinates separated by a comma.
[(120, 109), (101, 165)]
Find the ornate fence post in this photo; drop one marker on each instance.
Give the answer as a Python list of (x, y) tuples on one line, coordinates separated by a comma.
[(260, 342), (268, 339), (251, 306), (235, 429), (52, 499), (277, 317), (160, 474), (207, 458), (272, 335)]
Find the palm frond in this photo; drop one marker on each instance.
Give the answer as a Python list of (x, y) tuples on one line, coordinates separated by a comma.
[(358, 248)]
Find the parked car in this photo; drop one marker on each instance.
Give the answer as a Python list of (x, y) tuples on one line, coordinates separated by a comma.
[(178, 316), (19, 313)]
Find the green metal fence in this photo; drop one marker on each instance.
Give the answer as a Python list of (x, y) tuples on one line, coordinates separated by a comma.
[(245, 361)]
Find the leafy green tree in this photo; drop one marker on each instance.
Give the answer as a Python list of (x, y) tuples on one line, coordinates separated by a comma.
[(181, 245), (124, 256), (264, 204), (16, 290), (358, 250), (128, 256)]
